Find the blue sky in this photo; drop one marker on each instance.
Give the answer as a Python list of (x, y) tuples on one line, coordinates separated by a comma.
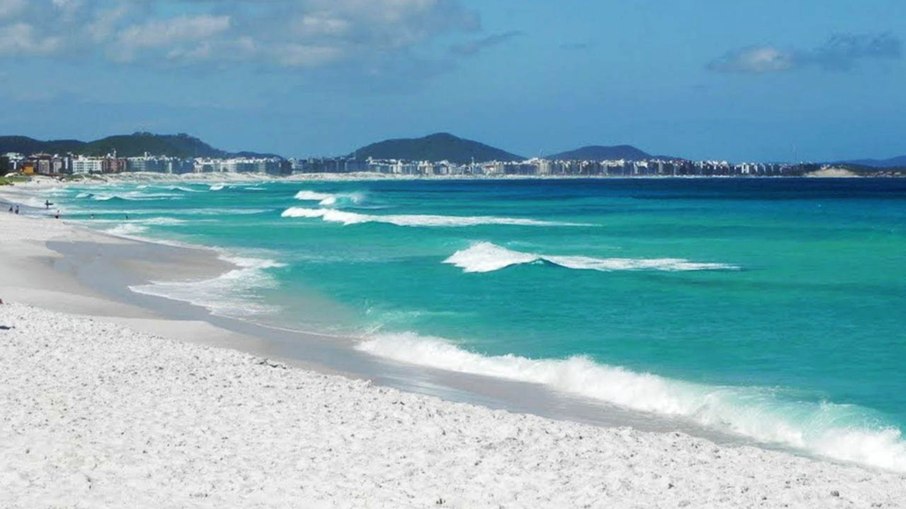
[(739, 80)]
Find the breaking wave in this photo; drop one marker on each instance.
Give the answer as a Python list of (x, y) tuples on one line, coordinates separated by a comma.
[(163, 221), (130, 196), (348, 218), (184, 189), (127, 230), (842, 432), (331, 200), (233, 293), (488, 257)]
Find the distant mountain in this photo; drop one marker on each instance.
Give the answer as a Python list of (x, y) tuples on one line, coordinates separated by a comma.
[(601, 153), (894, 162), (435, 147), (26, 145), (130, 145)]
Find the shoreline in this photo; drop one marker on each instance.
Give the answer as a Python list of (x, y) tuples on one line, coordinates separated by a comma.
[(557, 390), (227, 178), (325, 353), (180, 321), (98, 414)]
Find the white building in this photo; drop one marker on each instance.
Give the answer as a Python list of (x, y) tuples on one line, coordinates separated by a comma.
[(82, 165)]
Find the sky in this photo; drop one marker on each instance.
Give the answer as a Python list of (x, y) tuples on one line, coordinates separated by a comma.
[(741, 80)]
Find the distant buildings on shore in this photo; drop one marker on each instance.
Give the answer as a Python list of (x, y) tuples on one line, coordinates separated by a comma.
[(69, 164), (548, 167)]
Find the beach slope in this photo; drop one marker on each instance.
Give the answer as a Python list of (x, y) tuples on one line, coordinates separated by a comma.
[(95, 413)]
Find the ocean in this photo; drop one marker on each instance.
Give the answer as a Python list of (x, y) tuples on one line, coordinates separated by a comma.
[(773, 309)]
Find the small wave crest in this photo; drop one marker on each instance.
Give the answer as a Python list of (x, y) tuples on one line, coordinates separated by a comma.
[(840, 432), (184, 189), (488, 257), (233, 293), (330, 199), (130, 196), (163, 221), (127, 230), (348, 218)]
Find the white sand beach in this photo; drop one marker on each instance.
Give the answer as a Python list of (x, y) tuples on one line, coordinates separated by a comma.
[(106, 404)]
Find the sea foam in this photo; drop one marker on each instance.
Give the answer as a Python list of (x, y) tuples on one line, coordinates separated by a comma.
[(128, 230), (840, 432), (131, 196), (348, 218), (488, 257), (330, 199), (233, 293)]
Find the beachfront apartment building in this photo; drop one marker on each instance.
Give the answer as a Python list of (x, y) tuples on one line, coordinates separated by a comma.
[(82, 165), (269, 165), (159, 164)]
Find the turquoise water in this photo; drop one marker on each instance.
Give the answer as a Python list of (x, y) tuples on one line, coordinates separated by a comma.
[(771, 308)]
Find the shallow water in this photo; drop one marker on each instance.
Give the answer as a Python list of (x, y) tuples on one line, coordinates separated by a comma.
[(770, 308)]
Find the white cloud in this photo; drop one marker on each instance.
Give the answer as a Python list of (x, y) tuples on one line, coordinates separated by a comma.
[(223, 50), (319, 25), (105, 22), (302, 55), (170, 34), (165, 32), (755, 59), (841, 52), (69, 8), (352, 34), (11, 8), (21, 39)]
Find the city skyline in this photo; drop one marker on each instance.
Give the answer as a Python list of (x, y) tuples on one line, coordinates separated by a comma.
[(756, 81)]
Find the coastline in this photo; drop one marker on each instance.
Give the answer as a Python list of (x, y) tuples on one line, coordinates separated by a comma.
[(98, 414), (213, 178), (64, 253), (101, 271)]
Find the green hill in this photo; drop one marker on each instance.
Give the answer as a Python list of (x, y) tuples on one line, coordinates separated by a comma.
[(26, 145), (130, 145), (180, 145), (601, 153), (436, 147)]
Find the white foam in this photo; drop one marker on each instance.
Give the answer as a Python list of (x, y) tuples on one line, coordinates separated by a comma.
[(330, 200), (217, 187), (127, 230), (348, 218), (820, 428), (233, 293), (184, 189), (488, 257), (224, 211), (132, 196), (163, 221), (312, 196)]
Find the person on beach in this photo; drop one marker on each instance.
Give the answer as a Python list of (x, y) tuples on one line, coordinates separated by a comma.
[(47, 204), (17, 209), (57, 215), (10, 209)]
